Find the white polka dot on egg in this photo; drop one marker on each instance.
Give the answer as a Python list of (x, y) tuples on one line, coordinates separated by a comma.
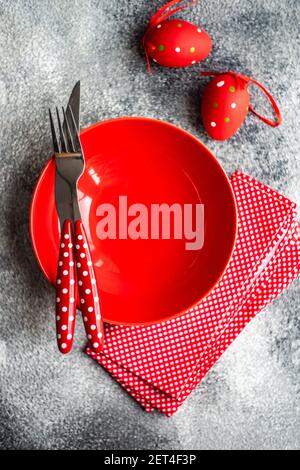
[(82, 255), (93, 327), (95, 345), (213, 124), (90, 309), (87, 291), (65, 272), (85, 273), (80, 237), (64, 309), (220, 83), (64, 327), (67, 236)]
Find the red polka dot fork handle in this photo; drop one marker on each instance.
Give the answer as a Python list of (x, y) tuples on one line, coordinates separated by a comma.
[(75, 264), (65, 290)]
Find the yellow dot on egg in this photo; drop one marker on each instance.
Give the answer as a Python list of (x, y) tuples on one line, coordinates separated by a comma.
[(192, 49)]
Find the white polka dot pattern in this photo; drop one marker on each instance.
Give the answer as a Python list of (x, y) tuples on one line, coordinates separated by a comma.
[(65, 291), (160, 365), (88, 292)]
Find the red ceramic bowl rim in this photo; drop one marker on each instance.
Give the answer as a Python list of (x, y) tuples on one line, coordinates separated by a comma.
[(182, 131)]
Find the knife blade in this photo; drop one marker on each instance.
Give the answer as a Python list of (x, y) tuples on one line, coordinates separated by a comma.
[(74, 103)]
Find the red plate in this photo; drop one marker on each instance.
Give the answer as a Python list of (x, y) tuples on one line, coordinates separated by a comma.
[(149, 161)]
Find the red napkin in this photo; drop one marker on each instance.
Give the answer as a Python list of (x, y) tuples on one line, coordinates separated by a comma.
[(160, 365)]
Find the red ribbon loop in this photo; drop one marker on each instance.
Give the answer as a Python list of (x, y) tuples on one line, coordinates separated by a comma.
[(277, 112), (161, 15), (249, 80)]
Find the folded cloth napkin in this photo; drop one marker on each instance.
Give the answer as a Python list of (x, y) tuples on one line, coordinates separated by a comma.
[(160, 365)]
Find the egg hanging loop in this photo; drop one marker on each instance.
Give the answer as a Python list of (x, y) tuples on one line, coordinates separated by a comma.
[(162, 14)]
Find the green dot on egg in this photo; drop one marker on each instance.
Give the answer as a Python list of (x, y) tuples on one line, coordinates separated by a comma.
[(192, 49), (179, 25), (215, 105), (232, 89), (227, 119), (161, 47)]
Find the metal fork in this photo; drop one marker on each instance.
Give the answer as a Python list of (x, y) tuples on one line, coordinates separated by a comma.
[(73, 242), (67, 150)]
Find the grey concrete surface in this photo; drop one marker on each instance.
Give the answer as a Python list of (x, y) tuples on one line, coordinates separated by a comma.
[(47, 401)]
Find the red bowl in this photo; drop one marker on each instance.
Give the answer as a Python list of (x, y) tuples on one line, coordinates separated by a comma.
[(150, 161)]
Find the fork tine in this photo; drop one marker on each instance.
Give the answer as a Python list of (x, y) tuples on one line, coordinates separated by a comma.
[(68, 132), (64, 145), (56, 147), (75, 133)]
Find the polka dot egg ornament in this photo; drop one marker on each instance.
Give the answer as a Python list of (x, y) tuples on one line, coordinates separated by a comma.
[(226, 102), (175, 42), (160, 365)]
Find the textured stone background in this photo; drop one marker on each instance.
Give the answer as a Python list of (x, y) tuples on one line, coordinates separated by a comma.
[(47, 401)]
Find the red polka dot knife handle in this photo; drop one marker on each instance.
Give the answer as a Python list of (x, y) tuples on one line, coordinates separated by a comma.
[(65, 290), (88, 292)]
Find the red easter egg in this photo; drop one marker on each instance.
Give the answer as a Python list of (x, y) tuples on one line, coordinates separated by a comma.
[(225, 105), (177, 43)]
